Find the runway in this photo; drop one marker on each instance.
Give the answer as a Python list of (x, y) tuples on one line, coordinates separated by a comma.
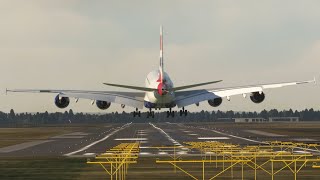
[(97, 140)]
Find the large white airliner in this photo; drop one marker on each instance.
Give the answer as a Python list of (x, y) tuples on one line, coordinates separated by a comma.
[(159, 92)]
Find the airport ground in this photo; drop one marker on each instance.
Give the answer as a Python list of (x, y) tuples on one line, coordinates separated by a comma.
[(61, 152)]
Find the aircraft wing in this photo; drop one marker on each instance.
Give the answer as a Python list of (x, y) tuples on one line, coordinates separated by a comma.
[(185, 98), (132, 99)]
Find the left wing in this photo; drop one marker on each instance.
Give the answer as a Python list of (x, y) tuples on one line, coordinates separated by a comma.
[(132, 99), (185, 98)]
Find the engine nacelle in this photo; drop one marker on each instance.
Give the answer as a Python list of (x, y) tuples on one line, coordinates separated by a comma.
[(215, 102), (61, 102), (103, 105), (257, 97)]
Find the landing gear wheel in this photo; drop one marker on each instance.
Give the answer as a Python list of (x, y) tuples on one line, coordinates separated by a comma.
[(150, 113), (183, 112), (136, 113), (168, 114), (172, 113)]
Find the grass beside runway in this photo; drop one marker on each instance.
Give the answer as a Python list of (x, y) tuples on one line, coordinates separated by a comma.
[(41, 168), (13, 136)]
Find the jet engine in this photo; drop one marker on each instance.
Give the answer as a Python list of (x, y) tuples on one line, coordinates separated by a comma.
[(257, 97), (215, 102), (61, 102), (103, 105)]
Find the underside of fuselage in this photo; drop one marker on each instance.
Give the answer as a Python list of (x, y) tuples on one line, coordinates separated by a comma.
[(159, 105)]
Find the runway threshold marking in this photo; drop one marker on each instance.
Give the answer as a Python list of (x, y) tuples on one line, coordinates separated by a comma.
[(98, 141)]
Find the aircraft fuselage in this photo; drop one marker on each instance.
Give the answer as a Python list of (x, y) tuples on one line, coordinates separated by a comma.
[(164, 96)]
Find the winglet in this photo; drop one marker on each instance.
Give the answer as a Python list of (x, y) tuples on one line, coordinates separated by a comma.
[(6, 91), (314, 80)]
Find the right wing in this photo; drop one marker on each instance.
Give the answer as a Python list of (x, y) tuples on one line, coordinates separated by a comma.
[(132, 99), (185, 98)]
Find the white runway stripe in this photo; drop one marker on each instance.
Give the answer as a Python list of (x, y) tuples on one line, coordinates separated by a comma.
[(213, 138), (166, 134), (131, 139), (162, 153)]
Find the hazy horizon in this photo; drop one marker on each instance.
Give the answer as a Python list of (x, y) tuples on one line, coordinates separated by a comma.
[(79, 44)]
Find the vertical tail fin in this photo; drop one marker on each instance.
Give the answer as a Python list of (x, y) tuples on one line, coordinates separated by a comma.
[(161, 54)]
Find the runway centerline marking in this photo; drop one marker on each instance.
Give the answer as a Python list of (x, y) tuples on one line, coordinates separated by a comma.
[(100, 140), (166, 134)]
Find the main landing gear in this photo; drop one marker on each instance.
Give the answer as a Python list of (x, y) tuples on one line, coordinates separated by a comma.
[(183, 112), (170, 113), (150, 113), (136, 113)]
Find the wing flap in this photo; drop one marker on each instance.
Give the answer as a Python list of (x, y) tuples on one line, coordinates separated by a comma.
[(114, 98)]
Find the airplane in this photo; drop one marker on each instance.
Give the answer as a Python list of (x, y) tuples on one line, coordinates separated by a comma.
[(159, 92)]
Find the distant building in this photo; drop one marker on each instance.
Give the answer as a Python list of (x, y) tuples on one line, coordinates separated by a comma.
[(284, 119), (225, 120), (259, 119)]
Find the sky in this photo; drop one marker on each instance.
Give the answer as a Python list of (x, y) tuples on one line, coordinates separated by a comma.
[(79, 44)]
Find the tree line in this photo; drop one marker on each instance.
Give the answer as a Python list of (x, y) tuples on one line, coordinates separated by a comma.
[(34, 119)]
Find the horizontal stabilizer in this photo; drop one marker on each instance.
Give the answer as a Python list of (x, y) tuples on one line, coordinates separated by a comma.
[(131, 87), (194, 85)]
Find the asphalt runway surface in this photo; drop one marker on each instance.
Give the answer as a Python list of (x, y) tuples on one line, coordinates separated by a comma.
[(98, 140)]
